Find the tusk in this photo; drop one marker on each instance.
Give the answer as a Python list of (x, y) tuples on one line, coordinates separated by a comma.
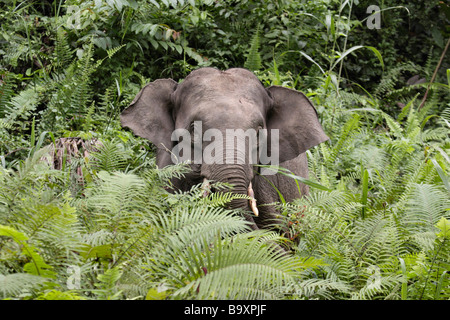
[(206, 187), (252, 201)]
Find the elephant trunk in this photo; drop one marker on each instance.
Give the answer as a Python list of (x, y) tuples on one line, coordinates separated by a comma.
[(239, 177), (232, 163)]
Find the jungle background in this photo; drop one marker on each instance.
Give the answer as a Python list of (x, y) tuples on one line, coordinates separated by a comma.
[(84, 213)]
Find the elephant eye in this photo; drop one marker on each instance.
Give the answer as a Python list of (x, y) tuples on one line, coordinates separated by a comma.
[(258, 131), (195, 137), (195, 133)]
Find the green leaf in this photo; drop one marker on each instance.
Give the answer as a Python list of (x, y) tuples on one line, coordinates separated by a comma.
[(378, 54), (365, 187), (277, 80), (441, 174), (155, 294), (289, 174), (102, 251), (329, 22), (36, 266), (312, 60), (107, 288), (13, 233), (253, 61), (440, 284), (444, 226), (405, 281), (346, 53)]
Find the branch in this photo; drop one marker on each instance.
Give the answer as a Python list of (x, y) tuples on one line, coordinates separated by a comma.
[(434, 74)]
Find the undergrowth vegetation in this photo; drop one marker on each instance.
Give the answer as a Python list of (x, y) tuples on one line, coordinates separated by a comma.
[(85, 212)]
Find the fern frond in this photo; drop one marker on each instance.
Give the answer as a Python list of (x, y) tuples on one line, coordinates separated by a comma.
[(5, 125), (390, 79), (15, 51), (173, 171), (393, 125), (425, 208), (378, 240), (322, 288), (111, 52), (378, 286), (110, 157), (82, 92), (59, 295), (107, 289), (15, 284), (22, 105), (240, 268), (346, 134), (62, 53), (186, 226), (219, 199), (117, 196), (253, 61), (6, 91)]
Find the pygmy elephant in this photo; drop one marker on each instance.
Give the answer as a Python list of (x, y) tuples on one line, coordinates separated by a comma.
[(225, 123)]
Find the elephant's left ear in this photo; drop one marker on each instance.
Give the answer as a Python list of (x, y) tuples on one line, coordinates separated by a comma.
[(295, 117), (150, 116)]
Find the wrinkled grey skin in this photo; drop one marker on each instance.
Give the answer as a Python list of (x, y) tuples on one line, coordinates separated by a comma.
[(230, 99)]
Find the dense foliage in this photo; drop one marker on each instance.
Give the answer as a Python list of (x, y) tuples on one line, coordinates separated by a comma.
[(84, 213)]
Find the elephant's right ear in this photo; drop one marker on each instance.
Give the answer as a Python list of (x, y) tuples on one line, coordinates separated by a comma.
[(296, 119), (150, 116)]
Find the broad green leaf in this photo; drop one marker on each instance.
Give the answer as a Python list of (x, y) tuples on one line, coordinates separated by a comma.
[(102, 251), (440, 284), (13, 233), (312, 60), (444, 226), (289, 174), (365, 189), (442, 174), (154, 294), (405, 281), (346, 53)]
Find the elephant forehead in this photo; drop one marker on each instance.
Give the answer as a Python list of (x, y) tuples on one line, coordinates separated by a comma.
[(226, 84), (214, 84), (221, 98), (208, 73), (223, 113)]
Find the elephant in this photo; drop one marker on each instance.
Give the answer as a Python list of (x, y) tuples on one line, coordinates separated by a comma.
[(211, 100)]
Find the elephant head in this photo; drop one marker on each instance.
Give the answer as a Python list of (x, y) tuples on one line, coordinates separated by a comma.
[(206, 107)]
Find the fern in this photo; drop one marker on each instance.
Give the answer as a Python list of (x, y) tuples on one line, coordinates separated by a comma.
[(238, 268), (16, 284), (391, 78), (428, 268), (62, 53), (6, 91), (349, 128), (110, 157), (218, 199), (21, 106), (82, 94), (116, 200), (5, 125), (36, 266), (15, 51), (427, 205), (107, 289), (58, 295), (253, 61), (189, 225)]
